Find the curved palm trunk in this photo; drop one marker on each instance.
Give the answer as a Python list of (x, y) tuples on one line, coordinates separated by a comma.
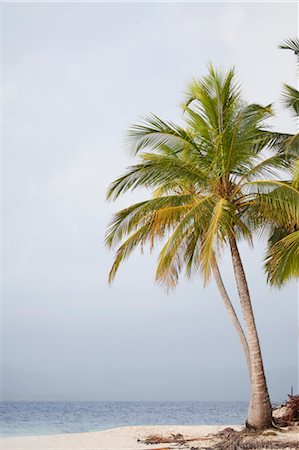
[(260, 410), (232, 313)]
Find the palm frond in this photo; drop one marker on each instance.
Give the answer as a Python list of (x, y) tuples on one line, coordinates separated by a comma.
[(295, 178), (197, 219), (217, 223), (280, 207), (268, 185), (167, 210), (290, 98), (264, 167), (136, 239), (282, 259), (153, 132), (291, 146), (154, 171), (290, 44)]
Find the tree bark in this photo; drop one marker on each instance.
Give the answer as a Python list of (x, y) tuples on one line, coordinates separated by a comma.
[(260, 410), (232, 313)]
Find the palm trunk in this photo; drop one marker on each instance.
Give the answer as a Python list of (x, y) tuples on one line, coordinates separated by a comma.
[(232, 313), (260, 410)]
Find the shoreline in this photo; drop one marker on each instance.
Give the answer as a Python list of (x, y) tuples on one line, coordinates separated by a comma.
[(126, 438)]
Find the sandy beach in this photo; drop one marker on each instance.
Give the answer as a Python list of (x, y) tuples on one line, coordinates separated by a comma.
[(114, 439), (126, 438)]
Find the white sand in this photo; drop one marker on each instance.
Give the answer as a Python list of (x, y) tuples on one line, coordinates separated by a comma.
[(114, 439), (125, 438)]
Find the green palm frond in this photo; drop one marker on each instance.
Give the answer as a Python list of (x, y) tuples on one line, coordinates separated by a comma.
[(264, 167), (265, 186), (215, 96), (290, 98), (290, 44), (154, 132), (278, 207), (291, 146), (295, 179), (282, 259), (153, 171), (277, 142)]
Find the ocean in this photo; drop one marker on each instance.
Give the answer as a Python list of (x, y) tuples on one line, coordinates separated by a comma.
[(42, 418)]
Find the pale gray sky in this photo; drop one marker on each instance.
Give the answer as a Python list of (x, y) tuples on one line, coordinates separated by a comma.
[(75, 76)]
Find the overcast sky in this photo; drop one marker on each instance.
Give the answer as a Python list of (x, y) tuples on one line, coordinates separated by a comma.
[(76, 75)]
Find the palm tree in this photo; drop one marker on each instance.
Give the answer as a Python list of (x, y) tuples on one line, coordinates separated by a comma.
[(203, 181), (280, 207)]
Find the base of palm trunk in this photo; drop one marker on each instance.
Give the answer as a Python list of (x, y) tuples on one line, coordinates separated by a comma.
[(259, 415)]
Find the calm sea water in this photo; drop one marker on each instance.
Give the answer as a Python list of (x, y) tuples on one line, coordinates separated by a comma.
[(32, 418)]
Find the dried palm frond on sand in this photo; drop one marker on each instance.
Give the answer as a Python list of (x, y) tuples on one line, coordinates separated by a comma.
[(227, 439)]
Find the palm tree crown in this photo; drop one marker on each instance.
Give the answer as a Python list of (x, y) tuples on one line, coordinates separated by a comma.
[(201, 175)]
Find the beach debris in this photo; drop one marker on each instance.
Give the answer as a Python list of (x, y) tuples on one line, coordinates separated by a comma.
[(287, 414), (171, 439), (227, 439), (230, 439), (157, 439)]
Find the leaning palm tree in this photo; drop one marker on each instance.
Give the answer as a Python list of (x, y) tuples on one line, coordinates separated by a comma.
[(202, 176)]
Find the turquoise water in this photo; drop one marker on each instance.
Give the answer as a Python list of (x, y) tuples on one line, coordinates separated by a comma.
[(32, 418)]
